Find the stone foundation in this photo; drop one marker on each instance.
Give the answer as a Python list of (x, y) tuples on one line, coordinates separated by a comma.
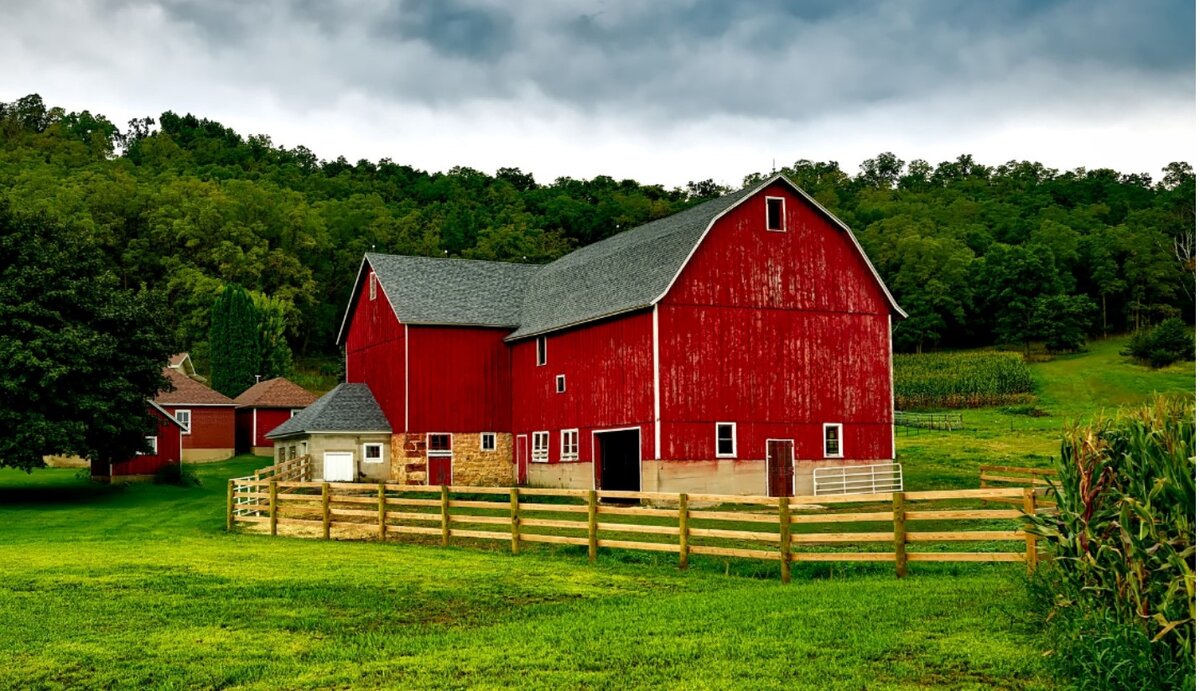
[(470, 465), (575, 475), (727, 476)]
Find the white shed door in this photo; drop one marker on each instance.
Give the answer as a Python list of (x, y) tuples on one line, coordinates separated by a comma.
[(339, 466)]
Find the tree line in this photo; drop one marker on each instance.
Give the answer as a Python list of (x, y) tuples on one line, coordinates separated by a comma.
[(183, 206)]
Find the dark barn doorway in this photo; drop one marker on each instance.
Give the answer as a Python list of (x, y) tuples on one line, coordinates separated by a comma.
[(620, 460), (781, 468)]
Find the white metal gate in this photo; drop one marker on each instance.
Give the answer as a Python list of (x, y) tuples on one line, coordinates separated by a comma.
[(858, 479)]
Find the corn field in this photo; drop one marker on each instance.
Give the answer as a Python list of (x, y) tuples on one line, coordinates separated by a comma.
[(961, 380)]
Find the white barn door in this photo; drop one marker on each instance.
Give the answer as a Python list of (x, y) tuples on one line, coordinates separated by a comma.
[(339, 466)]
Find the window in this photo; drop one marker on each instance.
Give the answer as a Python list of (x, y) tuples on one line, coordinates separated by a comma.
[(775, 217), (291, 452), (372, 453), (438, 444), (487, 441), (726, 440), (570, 445), (152, 444), (541, 447), (371, 282), (296, 411), (184, 417), (833, 440), (541, 350), (560, 383), (282, 454)]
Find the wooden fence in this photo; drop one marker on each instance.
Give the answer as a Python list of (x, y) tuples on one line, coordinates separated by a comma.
[(935, 421), (1040, 479), (783, 529)]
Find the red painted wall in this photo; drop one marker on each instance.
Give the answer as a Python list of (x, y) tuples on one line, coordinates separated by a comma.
[(610, 382), (212, 426), (168, 451), (778, 332), (375, 352), (460, 380), (268, 419)]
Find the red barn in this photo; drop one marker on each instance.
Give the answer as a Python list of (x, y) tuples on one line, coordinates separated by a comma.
[(263, 407), (206, 416), (164, 449), (732, 347)]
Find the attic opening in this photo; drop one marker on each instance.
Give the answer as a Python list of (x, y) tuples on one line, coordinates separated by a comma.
[(775, 214)]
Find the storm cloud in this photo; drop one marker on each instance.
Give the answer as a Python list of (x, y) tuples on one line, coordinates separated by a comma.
[(664, 91)]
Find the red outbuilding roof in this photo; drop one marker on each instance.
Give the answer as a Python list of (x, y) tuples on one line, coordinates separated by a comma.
[(188, 391), (275, 393)]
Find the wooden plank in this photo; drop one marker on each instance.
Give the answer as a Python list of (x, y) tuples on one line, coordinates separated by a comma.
[(382, 512), (844, 556), (252, 519), (514, 515), (403, 501), (490, 505), (445, 508), (967, 536), (683, 531), (545, 492), (469, 489), (990, 493), (899, 534), (480, 534), (344, 499), (732, 516), (254, 495), (733, 499), (555, 539), (1016, 469), (819, 538), (1031, 556), (643, 546), (636, 511), (593, 535), (750, 535), (491, 520), (633, 494), (563, 508), (292, 496), (410, 516), (967, 556), (799, 503), (769, 554), (858, 517), (352, 512), (637, 528), (298, 521), (228, 506), (983, 514), (785, 540), (547, 523), (414, 530), (1040, 480), (325, 516), (274, 508)]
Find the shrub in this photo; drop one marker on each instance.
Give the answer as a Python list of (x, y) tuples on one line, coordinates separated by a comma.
[(1118, 592), (961, 380), (1169, 342)]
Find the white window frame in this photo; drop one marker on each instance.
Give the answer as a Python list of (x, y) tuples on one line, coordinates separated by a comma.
[(483, 439), (440, 453), (372, 280), (153, 446), (537, 455), (187, 428), (568, 450), (541, 351), (368, 459), (717, 439), (560, 383), (841, 450), (782, 215)]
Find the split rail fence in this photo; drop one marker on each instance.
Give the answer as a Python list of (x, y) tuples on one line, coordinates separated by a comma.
[(899, 527), (1040, 479)]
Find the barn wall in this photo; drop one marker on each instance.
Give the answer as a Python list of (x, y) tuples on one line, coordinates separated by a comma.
[(269, 419), (460, 380), (212, 432), (779, 333), (609, 367), (375, 352), (168, 451)]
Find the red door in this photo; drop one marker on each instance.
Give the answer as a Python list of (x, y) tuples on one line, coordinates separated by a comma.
[(439, 470), (781, 468), (522, 459)]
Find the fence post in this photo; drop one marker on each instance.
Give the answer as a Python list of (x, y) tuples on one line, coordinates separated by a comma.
[(445, 516), (785, 540), (514, 508), (1030, 538), (325, 518), (274, 507), (383, 512), (229, 509), (901, 535), (593, 533), (683, 531)]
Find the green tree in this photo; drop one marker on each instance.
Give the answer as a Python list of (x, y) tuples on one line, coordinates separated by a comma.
[(1012, 278), (233, 341), (79, 355), (1062, 321), (274, 354)]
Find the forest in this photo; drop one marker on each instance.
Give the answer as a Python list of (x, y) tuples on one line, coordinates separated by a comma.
[(977, 254)]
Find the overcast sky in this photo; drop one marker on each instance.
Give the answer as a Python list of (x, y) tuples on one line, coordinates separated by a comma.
[(663, 91)]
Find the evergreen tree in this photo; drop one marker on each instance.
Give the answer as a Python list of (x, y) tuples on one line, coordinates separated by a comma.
[(233, 339), (274, 355)]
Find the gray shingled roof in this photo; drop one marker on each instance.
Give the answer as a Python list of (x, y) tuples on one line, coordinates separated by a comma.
[(348, 408), (425, 290)]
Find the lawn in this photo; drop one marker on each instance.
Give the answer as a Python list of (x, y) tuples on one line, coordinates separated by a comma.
[(141, 587)]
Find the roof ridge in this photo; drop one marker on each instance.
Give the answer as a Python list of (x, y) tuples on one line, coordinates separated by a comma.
[(454, 259)]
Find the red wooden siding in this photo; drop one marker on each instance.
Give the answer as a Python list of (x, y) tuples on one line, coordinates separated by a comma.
[(267, 419), (212, 426), (779, 333), (460, 380), (168, 451), (375, 352), (609, 368)]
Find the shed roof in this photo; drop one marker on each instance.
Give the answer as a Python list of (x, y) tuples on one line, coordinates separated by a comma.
[(188, 391), (279, 392), (347, 408)]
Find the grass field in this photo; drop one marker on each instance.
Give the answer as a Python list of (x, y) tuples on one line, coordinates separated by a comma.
[(141, 587)]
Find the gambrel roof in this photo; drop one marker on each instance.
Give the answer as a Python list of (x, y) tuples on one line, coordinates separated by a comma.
[(347, 408), (629, 271)]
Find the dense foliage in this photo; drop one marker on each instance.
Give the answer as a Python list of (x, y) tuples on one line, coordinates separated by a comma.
[(186, 205), (1166, 343), (961, 380), (1120, 590), (79, 355), (233, 337)]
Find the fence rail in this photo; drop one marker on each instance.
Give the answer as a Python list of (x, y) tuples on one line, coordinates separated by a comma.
[(784, 529), (943, 421), (1040, 479)]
